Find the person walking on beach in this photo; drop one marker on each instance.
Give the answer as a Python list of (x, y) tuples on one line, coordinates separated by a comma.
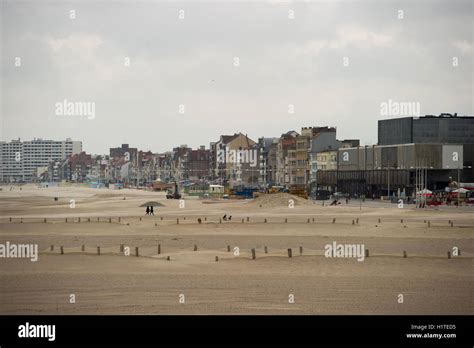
[(151, 211), (147, 210)]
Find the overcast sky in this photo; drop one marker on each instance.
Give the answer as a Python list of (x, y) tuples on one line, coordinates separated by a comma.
[(191, 61)]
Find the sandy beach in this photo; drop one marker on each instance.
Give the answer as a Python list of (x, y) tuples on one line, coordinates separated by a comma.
[(115, 283)]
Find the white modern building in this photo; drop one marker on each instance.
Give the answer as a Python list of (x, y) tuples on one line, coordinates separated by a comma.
[(19, 160)]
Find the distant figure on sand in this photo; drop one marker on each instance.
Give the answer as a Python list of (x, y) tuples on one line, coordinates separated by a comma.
[(147, 210), (230, 217), (224, 217), (151, 211)]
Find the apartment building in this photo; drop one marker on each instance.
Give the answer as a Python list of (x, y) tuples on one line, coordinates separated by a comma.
[(19, 160)]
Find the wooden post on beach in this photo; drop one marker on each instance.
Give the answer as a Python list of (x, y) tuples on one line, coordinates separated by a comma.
[(195, 247), (66, 220), (242, 220), (449, 254), (313, 219), (366, 252), (357, 221), (184, 218), (98, 250), (253, 254), (119, 219), (429, 223), (89, 220), (248, 219), (168, 258), (44, 220), (266, 249), (401, 221), (121, 248), (404, 254), (290, 254), (159, 249), (217, 258), (286, 220), (156, 224), (379, 220), (220, 220), (10, 219), (308, 221), (52, 247), (83, 248), (161, 218), (78, 220), (98, 219), (228, 248), (177, 221), (301, 250), (265, 220), (140, 218), (334, 220), (110, 220), (136, 252), (353, 222), (62, 250), (205, 218), (452, 223)]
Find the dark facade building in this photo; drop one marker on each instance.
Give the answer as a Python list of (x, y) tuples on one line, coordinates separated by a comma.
[(442, 145), (442, 129), (79, 166), (198, 165), (125, 151)]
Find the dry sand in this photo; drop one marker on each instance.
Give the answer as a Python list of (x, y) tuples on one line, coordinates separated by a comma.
[(112, 283)]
